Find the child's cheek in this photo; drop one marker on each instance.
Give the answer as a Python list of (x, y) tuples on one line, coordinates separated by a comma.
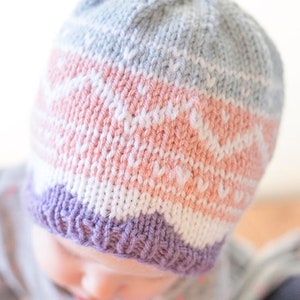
[(61, 269), (56, 265), (147, 289)]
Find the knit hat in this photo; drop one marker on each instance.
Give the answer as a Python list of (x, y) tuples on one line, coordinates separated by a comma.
[(153, 125)]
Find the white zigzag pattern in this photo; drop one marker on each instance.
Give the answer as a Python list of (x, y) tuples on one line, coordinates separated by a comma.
[(91, 131), (240, 142), (133, 204), (66, 87), (69, 161), (160, 114)]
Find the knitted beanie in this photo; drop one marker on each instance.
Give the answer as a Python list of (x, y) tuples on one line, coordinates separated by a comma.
[(153, 125)]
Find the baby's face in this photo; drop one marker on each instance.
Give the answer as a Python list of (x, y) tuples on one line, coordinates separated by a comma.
[(91, 275)]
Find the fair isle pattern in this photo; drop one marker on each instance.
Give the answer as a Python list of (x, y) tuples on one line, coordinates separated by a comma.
[(143, 162)]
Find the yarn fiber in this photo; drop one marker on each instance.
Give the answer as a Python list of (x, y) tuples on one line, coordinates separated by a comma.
[(152, 127)]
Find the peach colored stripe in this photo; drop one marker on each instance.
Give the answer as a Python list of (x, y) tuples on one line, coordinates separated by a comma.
[(240, 163), (157, 135), (213, 213), (97, 146), (144, 169), (217, 109)]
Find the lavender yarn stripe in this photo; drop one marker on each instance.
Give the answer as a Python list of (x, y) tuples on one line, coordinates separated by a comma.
[(148, 238)]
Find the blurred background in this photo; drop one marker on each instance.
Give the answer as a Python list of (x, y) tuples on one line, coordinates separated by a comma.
[(27, 29)]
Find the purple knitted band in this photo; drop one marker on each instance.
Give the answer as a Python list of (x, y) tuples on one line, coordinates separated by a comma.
[(148, 238)]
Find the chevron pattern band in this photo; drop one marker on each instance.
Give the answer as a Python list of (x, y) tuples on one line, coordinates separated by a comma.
[(153, 125)]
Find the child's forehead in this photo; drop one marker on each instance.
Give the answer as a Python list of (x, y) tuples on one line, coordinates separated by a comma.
[(112, 262)]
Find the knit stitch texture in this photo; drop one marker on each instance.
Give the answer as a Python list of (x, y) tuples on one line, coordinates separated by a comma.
[(153, 125)]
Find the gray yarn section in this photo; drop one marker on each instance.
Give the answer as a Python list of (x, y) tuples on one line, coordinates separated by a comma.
[(211, 45)]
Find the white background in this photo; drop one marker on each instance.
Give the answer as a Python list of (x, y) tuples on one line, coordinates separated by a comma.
[(27, 29)]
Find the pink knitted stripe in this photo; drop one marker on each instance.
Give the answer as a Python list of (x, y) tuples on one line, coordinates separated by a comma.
[(201, 185), (225, 115), (241, 162), (131, 90)]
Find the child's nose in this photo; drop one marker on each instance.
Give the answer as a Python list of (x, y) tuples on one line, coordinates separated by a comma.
[(102, 287)]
